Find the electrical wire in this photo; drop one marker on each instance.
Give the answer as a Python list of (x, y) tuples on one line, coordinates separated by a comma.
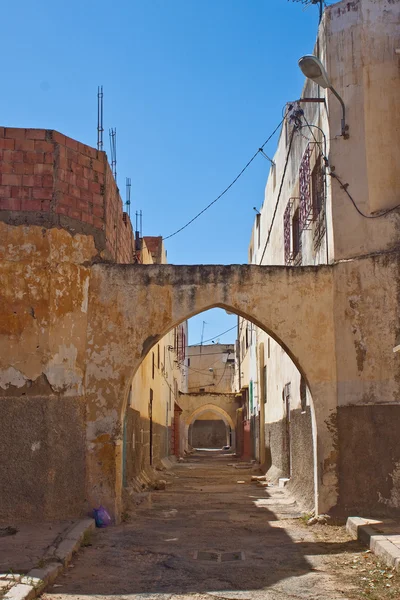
[(279, 193), (344, 186), (215, 336), (227, 188)]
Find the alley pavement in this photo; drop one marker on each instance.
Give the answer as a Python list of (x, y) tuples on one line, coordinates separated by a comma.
[(211, 534)]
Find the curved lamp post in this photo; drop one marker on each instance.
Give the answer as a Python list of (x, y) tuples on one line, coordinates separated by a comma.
[(313, 69)]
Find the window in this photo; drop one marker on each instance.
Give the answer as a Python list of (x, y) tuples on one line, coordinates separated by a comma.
[(303, 394), (152, 365), (158, 356), (318, 188), (264, 381), (202, 389), (188, 364), (296, 234), (258, 225)]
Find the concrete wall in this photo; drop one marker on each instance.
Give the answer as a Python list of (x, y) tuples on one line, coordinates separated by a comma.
[(208, 433), (211, 368)]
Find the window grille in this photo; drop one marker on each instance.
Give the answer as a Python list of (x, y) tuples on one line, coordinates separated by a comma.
[(306, 214), (292, 233), (318, 188)]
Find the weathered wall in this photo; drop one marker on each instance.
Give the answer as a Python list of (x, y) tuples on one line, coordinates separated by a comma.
[(51, 180), (44, 281), (208, 433)]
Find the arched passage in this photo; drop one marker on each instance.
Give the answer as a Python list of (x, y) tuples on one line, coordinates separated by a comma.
[(209, 426), (131, 307)]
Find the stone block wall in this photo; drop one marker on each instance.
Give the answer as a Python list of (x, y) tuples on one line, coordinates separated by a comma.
[(51, 180)]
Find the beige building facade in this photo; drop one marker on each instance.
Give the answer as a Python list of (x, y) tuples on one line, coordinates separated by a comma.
[(152, 426), (307, 218)]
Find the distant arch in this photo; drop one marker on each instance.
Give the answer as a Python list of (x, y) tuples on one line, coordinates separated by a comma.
[(210, 408)]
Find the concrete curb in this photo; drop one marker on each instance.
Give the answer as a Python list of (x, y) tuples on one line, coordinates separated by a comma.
[(56, 559), (382, 538)]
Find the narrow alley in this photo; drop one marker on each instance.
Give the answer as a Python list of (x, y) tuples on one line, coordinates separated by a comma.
[(211, 533)]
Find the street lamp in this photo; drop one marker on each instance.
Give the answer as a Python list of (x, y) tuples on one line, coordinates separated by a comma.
[(313, 69)]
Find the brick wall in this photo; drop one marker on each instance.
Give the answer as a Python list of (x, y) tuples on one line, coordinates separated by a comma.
[(51, 180)]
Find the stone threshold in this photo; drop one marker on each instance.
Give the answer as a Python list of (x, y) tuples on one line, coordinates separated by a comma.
[(382, 537), (56, 559)]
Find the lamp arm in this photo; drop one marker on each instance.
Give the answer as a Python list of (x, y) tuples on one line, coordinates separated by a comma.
[(344, 126)]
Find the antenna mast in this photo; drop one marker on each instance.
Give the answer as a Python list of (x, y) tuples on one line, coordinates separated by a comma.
[(128, 195), (315, 2), (100, 117), (113, 147)]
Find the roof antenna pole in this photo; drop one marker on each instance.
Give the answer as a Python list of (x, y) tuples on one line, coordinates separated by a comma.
[(113, 147), (128, 195), (100, 117)]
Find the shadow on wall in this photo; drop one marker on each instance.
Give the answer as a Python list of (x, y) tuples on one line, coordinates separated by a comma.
[(208, 433)]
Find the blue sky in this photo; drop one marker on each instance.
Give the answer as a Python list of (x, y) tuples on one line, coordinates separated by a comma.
[(193, 87)]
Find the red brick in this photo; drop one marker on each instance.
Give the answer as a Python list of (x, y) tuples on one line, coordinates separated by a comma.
[(30, 204), (75, 214), (22, 169), (98, 211), (62, 163), (45, 207), (43, 193), (33, 157), (35, 134), (61, 186), (2, 132), (84, 160), (94, 187), (98, 223), (7, 144), (21, 192), (58, 137), (10, 204), (98, 199), (70, 143), (40, 169), (49, 157), (70, 177), (61, 209), (5, 191), (77, 169), (48, 180), (98, 166), (15, 133), (86, 218), (11, 179), (25, 145), (69, 201), (86, 195), (6, 167), (28, 180), (74, 191), (82, 183), (17, 156), (83, 206), (41, 146)]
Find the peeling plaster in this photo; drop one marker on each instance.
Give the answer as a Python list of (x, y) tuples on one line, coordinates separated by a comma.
[(62, 373), (394, 500), (12, 376)]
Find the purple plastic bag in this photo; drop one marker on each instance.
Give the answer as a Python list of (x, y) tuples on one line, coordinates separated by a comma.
[(101, 517)]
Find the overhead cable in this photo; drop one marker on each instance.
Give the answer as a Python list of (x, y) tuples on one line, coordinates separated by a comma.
[(227, 188), (279, 193)]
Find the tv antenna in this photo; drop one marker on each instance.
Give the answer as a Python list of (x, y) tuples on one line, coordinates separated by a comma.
[(100, 117), (307, 3), (113, 147), (128, 195)]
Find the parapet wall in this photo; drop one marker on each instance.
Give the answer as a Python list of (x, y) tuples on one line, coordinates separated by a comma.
[(51, 180)]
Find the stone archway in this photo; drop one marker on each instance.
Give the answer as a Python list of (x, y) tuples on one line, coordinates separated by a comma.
[(131, 307)]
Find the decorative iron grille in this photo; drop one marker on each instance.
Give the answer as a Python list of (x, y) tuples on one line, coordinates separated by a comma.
[(305, 188), (287, 226), (292, 234)]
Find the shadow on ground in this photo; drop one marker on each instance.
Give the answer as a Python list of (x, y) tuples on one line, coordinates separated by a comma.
[(207, 533)]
